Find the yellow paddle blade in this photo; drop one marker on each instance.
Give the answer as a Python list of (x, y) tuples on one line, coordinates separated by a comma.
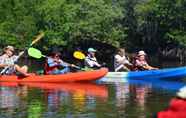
[(79, 55), (37, 38)]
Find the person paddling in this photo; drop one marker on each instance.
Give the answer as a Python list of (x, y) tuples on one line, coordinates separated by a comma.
[(53, 64), (141, 63), (121, 63), (7, 62), (90, 60)]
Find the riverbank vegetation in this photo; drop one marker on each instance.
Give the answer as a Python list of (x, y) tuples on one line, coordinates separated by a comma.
[(157, 26)]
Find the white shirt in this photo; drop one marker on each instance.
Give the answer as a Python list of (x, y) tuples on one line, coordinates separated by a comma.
[(120, 61), (91, 61), (4, 59)]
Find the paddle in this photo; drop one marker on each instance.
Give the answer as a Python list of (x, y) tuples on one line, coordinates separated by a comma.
[(35, 53), (79, 55), (32, 43)]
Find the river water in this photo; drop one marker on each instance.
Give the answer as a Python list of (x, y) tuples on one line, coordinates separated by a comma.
[(135, 99)]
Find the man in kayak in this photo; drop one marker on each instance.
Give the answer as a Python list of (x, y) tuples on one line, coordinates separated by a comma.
[(90, 60), (53, 64), (141, 63), (121, 63), (7, 62), (177, 106)]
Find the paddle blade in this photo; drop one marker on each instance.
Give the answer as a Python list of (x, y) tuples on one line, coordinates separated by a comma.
[(35, 53), (79, 55), (37, 38)]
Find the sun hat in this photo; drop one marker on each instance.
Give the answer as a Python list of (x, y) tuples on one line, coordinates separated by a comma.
[(182, 93), (91, 50), (9, 48), (141, 52)]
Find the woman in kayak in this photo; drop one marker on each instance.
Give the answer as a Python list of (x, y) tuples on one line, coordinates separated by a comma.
[(7, 62), (54, 63), (177, 106), (121, 63), (90, 60), (141, 63)]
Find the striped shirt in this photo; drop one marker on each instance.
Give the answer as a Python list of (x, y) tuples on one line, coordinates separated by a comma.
[(4, 59)]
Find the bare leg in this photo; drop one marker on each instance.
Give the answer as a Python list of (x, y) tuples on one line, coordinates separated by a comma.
[(22, 70)]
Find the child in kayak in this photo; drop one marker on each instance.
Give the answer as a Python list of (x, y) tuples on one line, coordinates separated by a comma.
[(90, 60), (53, 64), (141, 63), (7, 62), (121, 63)]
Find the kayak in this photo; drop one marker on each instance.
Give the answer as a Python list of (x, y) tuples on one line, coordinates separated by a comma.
[(90, 89), (82, 76), (167, 74)]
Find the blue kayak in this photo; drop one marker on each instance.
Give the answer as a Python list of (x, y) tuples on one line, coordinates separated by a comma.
[(168, 74)]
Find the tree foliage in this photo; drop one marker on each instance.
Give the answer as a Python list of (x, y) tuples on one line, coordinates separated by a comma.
[(134, 24), (64, 21)]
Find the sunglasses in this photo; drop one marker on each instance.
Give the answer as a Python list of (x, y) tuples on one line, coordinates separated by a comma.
[(57, 56)]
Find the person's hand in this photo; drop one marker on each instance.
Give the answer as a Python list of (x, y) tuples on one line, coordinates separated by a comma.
[(10, 65), (72, 65), (21, 53), (103, 64)]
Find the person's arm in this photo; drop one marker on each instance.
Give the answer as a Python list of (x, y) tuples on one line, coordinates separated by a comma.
[(127, 62), (141, 65), (51, 62), (64, 64), (97, 64), (123, 60), (3, 65), (88, 62), (146, 66), (118, 59)]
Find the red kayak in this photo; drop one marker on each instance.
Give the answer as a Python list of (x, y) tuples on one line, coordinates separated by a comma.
[(90, 89), (83, 76)]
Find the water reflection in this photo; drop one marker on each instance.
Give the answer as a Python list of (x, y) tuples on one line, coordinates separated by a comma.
[(130, 94), (135, 99), (50, 100), (122, 94)]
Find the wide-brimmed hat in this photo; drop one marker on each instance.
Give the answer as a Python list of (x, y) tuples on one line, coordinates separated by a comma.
[(91, 50), (182, 93), (9, 48), (141, 52)]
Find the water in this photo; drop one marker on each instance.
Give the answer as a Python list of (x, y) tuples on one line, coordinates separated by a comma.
[(86, 100)]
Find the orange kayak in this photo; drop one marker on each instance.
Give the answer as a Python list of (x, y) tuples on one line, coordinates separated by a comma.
[(83, 76), (90, 89)]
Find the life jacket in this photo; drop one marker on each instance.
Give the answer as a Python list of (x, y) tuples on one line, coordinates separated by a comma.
[(134, 67), (177, 109), (48, 69)]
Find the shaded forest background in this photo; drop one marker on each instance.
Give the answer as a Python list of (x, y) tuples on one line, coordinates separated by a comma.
[(156, 26)]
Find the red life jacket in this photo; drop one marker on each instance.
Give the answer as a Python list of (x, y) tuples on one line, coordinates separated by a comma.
[(177, 109), (48, 69)]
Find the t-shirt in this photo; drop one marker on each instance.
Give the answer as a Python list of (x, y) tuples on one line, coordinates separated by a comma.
[(91, 62), (4, 59), (120, 60)]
